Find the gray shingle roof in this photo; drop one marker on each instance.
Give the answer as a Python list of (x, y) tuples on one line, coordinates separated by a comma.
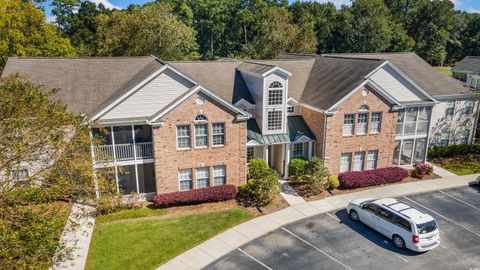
[(221, 77), (469, 64), (85, 83), (435, 83), (332, 78)]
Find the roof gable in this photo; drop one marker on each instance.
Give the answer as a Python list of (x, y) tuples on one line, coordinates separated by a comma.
[(469, 64)]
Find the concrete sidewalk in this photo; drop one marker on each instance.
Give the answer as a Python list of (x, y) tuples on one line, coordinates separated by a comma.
[(216, 247), (289, 194), (76, 237)]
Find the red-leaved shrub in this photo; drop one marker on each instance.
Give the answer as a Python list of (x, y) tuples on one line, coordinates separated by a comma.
[(372, 177), (420, 169), (196, 196)]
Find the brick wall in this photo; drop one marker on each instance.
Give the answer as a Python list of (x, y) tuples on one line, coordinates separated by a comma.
[(168, 160), (384, 142), (316, 122)]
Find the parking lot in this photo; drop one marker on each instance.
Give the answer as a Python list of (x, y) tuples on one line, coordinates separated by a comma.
[(332, 241)]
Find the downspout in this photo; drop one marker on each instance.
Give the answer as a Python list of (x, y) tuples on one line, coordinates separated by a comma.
[(324, 139), (475, 123)]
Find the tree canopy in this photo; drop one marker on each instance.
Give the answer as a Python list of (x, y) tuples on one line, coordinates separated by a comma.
[(212, 29)]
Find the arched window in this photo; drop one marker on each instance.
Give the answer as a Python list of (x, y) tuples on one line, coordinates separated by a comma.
[(276, 84), (275, 93), (201, 117), (364, 107)]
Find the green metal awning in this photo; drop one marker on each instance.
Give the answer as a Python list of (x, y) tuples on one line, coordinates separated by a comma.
[(297, 128)]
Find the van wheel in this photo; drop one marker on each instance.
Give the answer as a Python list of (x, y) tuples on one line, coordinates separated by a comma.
[(354, 215), (398, 241)]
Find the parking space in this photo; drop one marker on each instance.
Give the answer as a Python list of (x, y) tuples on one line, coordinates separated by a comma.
[(332, 241)]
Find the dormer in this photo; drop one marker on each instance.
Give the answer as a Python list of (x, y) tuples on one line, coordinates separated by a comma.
[(268, 86)]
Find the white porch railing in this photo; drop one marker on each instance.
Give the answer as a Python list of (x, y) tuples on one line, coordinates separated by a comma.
[(127, 151)]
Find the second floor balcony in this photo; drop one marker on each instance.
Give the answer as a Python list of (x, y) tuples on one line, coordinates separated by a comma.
[(122, 143)]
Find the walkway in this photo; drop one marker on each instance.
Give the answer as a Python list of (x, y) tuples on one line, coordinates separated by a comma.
[(289, 194), (216, 247), (442, 172), (82, 221)]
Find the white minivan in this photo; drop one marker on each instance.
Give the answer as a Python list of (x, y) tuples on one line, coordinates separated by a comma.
[(406, 226)]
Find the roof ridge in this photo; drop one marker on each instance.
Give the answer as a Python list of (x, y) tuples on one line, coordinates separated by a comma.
[(352, 58), (82, 57), (256, 63)]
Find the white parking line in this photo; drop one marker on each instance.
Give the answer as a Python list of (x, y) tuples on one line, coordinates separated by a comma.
[(442, 216), (460, 200), (337, 219), (316, 248), (253, 258)]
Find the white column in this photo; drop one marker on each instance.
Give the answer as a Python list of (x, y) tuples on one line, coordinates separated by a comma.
[(265, 153), (287, 160), (97, 191), (310, 150)]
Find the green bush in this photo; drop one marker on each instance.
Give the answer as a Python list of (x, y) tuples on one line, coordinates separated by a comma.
[(262, 186), (453, 151), (314, 178), (30, 195), (333, 182), (297, 166)]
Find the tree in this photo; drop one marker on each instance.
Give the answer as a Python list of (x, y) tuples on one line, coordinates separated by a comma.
[(77, 20), (262, 186), (372, 31), (314, 178), (42, 135), (24, 31), (151, 29)]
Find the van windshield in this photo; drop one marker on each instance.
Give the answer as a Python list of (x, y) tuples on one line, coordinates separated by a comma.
[(427, 227)]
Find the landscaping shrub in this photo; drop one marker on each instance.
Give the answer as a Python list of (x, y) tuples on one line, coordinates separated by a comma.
[(195, 196), (333, 182), (453, 151), (313, 179), (420, 169), (262, 186), (297, 166), (372, 177)]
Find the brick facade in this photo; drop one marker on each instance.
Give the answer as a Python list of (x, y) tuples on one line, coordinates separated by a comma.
[(384, 142), (168, 159), (316, 122)]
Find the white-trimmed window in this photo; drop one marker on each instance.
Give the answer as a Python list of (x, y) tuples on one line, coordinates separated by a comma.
[(376, 122), (219, 175), (444, 137), (275, 93), (201, 135), (348, 123), (185, 179), (250, 153), (274, 121), (463, 138), (290, 109), (358, 160), (19, 175), (345, 162), (450, 110), (218, 133), (201, 174), (183, 136), (372, 157), (362, 123), (298, 150), (469, 107)]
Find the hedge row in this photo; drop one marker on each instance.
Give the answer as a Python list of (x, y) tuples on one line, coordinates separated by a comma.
[(196, 196), (372, 177), (453, 150)]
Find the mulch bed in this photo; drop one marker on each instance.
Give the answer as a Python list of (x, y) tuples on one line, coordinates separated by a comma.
[(329, 193), (466, 158)]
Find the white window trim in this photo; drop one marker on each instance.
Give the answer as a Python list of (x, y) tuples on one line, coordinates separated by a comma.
[(281, 120), (349, 155), (362, 161), (224, 175), (374, 123), (203, 136), (189, 137), (363, 126), (352, 125), (368, 160), (218, 134), (179, 180), (207, 169), (301, 150)]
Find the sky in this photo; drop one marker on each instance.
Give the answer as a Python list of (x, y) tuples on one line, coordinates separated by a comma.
[(466, 5)]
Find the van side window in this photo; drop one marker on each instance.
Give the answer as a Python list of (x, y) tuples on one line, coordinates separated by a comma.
[(385, 214), (402, 223), (372, 208)]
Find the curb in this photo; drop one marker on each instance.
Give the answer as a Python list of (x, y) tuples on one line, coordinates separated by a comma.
[(223, 243)]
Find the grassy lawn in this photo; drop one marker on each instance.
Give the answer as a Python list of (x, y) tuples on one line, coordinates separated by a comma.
[(462, 168), (131, 213), (148, 243), (444, 70)]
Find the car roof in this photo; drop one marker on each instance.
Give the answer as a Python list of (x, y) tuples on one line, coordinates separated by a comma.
[(404, 210)]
